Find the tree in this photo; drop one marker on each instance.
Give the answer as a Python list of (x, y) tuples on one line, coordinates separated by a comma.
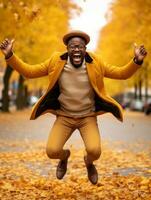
[(37, 26), (128, 22)]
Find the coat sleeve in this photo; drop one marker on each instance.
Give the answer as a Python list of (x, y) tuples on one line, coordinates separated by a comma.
[(27, 70), (123, 72)]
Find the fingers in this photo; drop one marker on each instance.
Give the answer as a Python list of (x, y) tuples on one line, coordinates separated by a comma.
[(13, 40), (140, 47), (2, 45), (143, 50), (5, 43), (135, 45)]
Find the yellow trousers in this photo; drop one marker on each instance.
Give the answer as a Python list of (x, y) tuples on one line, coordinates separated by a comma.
[(63, 128)]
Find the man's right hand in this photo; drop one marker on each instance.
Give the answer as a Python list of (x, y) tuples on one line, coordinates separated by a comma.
[(6, 47)]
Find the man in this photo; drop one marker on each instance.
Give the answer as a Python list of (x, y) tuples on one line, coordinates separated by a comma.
[(76, 95)]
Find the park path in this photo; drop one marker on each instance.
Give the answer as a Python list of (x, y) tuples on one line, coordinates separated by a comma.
[(27, 173), (17, 126)]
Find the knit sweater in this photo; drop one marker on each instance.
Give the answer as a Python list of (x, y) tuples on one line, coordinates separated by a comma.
[(76, 93)]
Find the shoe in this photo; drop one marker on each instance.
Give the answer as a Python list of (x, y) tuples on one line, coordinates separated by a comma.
[(62, 167), (92, 172)]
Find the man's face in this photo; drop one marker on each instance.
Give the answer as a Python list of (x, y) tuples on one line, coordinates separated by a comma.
[(76, 50)]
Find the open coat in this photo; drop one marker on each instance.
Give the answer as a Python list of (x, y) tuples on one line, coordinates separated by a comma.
[(96, 70)]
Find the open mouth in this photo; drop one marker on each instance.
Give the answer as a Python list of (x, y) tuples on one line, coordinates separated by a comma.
[(77, 58)]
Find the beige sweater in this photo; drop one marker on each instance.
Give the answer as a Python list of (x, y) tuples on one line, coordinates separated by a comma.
[(76, 93)]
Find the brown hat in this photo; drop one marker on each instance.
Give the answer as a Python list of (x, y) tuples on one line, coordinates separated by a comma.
[(76, 33)]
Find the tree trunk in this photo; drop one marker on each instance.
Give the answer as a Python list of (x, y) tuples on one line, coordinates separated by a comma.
[(5, 95), (20, 99), (140, 89), (25, 96)]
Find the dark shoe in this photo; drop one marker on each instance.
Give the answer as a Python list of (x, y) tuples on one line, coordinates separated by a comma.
[(92, 172), (62, 167)]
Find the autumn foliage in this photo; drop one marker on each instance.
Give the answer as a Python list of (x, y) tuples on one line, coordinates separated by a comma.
[(37, 27), (26, 173), (128, 22)]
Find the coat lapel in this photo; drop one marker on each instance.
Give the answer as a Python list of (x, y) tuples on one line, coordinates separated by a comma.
[(91, 73), (59, 65)]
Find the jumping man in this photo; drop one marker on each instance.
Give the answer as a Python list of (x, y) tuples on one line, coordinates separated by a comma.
[(76, 95)]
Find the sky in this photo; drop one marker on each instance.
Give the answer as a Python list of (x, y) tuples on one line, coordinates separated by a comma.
[(91, 19)]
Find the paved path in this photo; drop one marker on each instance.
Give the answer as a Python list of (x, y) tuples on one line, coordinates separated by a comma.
[(17, 126), (19, 135)]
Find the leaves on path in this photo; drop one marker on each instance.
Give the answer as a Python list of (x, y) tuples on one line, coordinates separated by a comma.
[(27, 173)]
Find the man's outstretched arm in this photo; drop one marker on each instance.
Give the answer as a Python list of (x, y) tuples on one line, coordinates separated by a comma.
[(128, 70), (29, 71)]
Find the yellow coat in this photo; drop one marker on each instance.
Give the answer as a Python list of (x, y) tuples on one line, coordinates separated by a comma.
[(96, 69)]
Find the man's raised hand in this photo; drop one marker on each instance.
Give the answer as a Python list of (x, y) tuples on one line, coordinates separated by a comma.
[(140, 52), (6, 47)]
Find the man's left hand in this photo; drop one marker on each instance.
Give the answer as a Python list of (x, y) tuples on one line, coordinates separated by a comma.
[(140, 53)]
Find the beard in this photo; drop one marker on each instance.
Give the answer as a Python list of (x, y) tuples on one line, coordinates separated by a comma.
[(76, 65)]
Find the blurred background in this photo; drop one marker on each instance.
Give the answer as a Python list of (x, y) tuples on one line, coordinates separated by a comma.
[(38, 27)]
